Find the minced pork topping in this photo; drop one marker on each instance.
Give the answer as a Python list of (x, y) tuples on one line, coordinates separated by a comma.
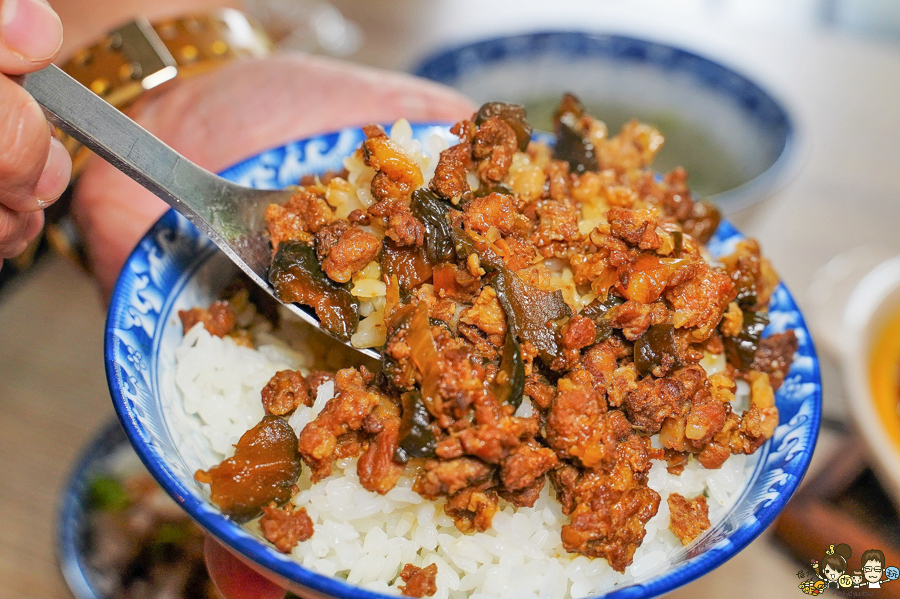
[(544, 315)]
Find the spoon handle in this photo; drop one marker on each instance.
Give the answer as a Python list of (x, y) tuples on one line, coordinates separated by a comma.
[(126, 145), (232, 216)]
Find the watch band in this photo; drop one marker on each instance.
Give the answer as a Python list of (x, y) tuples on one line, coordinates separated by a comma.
[(132, 60), (140, 56)]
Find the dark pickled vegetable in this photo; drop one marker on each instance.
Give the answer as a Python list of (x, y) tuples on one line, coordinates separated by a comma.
[(265, 465), (511, 114), (424, 355), (510, 382), (656, 348), (531, 313), (432, 212), (741, 350), (600, 307), (397, 373), (745, 286), (743, 267), (702, 222), (486, 190), (408, 263), (297, 277), (465, 245), (571, 144), (569, 105), (416, 436), (598, 311), (575, 149), (678, 238)]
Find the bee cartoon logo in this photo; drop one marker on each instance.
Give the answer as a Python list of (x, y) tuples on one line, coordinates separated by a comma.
[(834, 571)]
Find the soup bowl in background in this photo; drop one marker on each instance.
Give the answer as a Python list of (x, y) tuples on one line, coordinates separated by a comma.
[(175, 267), (737, 141), (855, 300)]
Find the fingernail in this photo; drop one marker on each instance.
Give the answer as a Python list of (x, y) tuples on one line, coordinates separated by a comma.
[(55, 176), (30, 28)]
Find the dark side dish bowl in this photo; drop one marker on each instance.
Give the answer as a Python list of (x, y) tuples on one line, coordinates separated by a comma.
[(120, 535)]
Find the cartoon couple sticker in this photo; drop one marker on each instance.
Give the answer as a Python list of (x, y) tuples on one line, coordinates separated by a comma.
[(834, 571)]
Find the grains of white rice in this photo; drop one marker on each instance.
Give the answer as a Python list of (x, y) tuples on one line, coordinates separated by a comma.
[(216, 376), (371, 332), (369, 288)]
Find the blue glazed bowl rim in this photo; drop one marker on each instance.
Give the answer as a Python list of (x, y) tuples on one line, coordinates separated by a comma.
[(233, 536), (732, 200)]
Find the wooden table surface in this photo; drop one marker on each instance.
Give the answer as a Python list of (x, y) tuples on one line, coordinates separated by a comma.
[(53, 398)]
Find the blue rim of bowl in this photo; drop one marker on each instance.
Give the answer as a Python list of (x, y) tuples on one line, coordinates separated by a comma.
[(765, 509), (71, 519), (447, 66)]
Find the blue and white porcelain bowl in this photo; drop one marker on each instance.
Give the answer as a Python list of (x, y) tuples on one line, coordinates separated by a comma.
[(175, 267), (736, 139)]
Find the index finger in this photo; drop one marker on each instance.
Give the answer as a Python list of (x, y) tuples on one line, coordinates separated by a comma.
[(31, 35)]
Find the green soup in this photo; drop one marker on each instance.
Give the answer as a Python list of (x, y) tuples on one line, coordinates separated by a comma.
[(711, 166)]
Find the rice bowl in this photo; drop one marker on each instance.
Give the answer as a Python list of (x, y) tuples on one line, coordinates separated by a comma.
[(173, 427)]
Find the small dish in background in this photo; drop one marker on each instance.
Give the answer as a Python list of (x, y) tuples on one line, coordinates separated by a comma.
[(736, 140), (120, 535), (855, 302)]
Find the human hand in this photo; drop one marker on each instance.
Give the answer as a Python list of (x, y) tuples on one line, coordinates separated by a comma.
[(234, 112), (34, 166), (235, 580)]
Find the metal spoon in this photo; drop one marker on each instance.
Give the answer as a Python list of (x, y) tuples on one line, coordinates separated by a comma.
[(231, 215)]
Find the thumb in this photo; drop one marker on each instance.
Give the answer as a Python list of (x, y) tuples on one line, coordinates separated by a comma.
[(31, 34)]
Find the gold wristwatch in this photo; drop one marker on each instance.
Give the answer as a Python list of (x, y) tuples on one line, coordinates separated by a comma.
[(132, 60), (140, 56)]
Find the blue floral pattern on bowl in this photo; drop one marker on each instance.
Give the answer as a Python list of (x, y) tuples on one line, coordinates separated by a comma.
[(175, 267)]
